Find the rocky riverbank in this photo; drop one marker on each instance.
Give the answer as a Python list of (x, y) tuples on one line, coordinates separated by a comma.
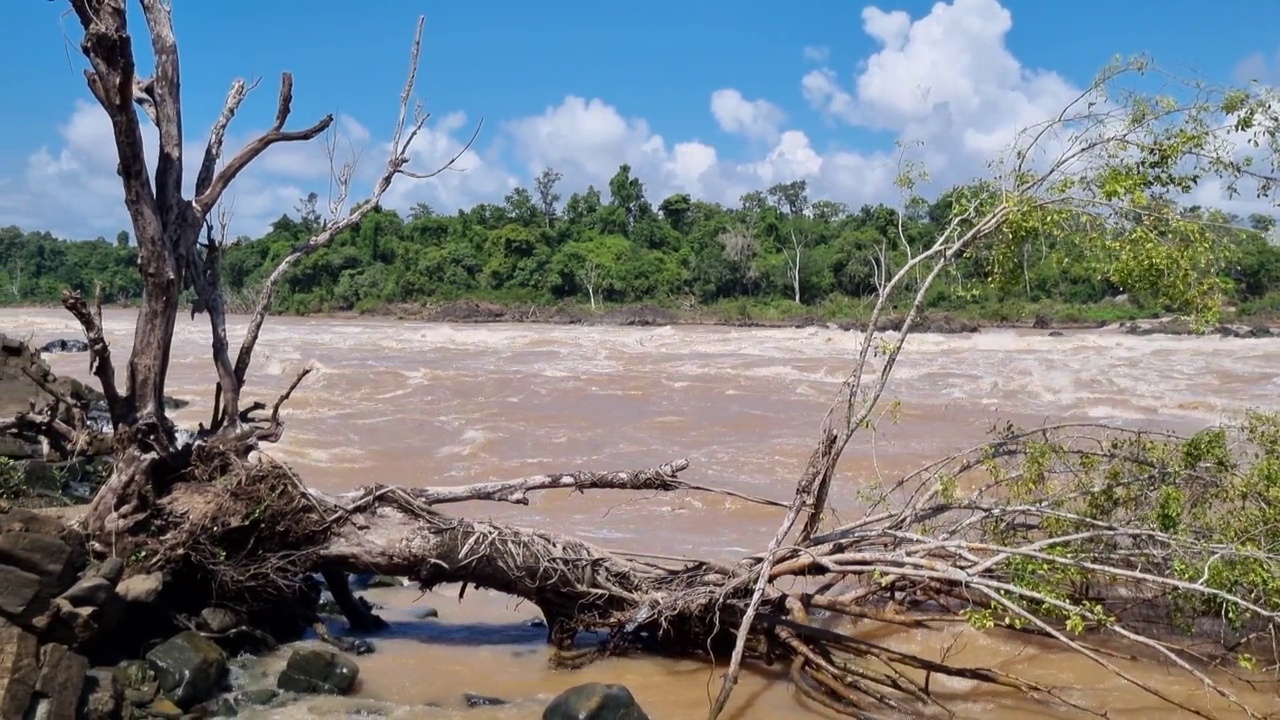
[(475, 311), (93, 637), (69, 645)]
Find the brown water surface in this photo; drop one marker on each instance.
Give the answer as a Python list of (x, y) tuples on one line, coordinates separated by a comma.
[(419, 403)]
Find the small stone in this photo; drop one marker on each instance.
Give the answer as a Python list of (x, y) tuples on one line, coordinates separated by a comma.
[(143, 696), (595, 701), (111, 570), (219, 707), (101, 698), (259, 696), (164, 708), (141, 588), (189, 667), (318, 672), (474, 700), (133, 673), (219, 620), (89, 592), (138, 681), (426, 612)]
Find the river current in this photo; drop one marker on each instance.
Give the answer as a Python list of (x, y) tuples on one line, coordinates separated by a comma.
[(400, 402)]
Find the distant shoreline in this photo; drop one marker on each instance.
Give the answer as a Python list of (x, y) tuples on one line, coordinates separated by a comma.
[(477, 312)]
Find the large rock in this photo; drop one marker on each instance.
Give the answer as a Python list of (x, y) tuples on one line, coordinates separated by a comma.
[(61, 679), (189, 667), (64, 345), (318, 672), (18, 391), (19, 669), (595, 701), (40, 558)]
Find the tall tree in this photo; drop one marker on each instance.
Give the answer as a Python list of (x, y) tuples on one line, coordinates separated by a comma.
[(791, 199), (168, 228), (548, 198)]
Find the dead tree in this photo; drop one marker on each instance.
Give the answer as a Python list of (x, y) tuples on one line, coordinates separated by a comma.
[(225, 520)]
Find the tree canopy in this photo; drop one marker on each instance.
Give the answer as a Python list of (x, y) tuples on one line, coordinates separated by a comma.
[(617, 246)]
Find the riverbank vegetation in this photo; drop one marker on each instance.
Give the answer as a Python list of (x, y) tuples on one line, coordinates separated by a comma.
[(1115, 545), (778, 255)]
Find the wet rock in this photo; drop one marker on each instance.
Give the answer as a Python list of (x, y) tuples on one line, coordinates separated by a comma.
[(639, 316), (101, 697), (355, 646), (65, 345), (163, 708), (595, 701), (138, 682), (1174, 326), (19, 669), (425, 612), (218, 707), (1057, 333), (89, 592), (189, 667), (536, 623), (259, 696), (469, 311), (474, 700), (219, 620), (318, 672)]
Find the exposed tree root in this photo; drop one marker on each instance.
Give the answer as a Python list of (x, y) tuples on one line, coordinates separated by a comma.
[(1058, 564)]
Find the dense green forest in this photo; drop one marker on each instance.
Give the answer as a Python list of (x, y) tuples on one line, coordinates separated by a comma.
[(777, 254)]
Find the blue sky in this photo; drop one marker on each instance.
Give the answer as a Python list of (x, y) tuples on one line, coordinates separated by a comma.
[(640, 70)]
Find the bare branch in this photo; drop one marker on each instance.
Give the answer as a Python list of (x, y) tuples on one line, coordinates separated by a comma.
[(100, 363), (213, 151), (400, 143), (111, 79), (277, 134), (662, 478)]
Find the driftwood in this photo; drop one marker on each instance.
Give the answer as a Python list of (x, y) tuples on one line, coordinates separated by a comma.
[(1072, 554)]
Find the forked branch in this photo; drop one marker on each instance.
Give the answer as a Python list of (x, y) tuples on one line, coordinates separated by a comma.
[(100, 363), (206, 200)]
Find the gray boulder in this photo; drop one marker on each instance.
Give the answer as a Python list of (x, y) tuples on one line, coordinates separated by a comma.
[(318, 672), (595, 701), (189, 667)]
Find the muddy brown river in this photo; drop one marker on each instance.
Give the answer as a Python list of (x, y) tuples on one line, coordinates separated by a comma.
[(419, 403)]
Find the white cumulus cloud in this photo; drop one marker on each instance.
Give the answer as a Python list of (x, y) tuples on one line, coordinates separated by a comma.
[(945, 81), (756, 119)]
